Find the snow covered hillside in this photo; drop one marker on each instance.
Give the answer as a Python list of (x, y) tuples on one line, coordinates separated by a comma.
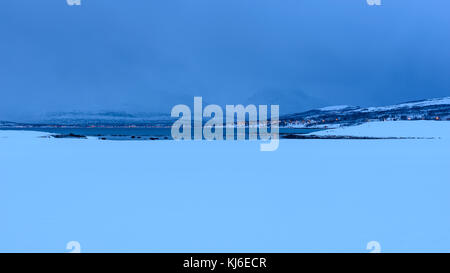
[(413, 104), (336, 116)]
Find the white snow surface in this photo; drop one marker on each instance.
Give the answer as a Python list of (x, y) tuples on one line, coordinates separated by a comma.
[(421, 128), (227, 196)]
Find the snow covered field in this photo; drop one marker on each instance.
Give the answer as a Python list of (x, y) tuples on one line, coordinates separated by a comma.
[(418, 129), (166, 196)]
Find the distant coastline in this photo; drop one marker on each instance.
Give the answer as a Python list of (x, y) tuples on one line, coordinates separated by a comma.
[(437, 109)]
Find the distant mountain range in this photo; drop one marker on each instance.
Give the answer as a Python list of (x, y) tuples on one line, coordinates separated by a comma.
[(332, 116), (106, 118)]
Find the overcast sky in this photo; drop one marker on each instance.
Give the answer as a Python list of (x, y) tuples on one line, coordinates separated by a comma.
[(148, 55)]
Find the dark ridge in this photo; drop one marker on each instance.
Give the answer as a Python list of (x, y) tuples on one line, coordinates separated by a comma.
[(293, 136), (69, 136)]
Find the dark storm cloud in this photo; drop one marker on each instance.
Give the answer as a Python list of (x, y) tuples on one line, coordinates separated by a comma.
[(146, 55)]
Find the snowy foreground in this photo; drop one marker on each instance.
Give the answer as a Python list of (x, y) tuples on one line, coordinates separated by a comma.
[(197, 196)]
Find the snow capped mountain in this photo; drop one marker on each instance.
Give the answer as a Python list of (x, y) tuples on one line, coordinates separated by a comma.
[(413, 104), (333, 116)]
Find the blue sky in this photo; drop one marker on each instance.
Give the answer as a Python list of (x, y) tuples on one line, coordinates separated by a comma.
[(148, 55)]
